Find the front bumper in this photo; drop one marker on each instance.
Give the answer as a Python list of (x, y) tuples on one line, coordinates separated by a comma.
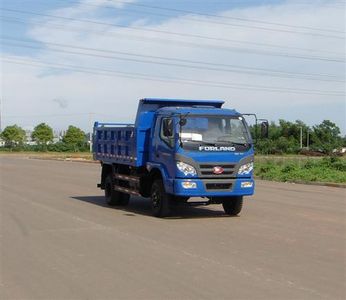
[(215, 187)]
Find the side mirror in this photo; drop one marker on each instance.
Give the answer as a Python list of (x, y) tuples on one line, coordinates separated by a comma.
[(182, 122), (265, 130)]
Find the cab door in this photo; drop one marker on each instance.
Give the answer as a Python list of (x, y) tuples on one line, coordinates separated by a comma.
[(164, 144)]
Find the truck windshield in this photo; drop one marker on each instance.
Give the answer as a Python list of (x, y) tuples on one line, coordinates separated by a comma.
[(215, 130)]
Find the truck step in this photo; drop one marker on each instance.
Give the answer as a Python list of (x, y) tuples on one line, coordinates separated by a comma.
[(126, 190), (198, 203), (126, 177)]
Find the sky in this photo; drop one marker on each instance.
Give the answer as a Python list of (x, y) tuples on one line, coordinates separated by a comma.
[(78, 61)]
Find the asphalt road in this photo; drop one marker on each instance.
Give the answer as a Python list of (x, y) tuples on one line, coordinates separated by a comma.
[(59, 241)]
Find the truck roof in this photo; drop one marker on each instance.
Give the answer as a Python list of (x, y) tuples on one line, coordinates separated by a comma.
[(148, 107), (182, 102), (197, 110)]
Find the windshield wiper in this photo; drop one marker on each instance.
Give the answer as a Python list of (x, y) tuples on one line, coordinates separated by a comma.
[(234, 143), (200, 142)]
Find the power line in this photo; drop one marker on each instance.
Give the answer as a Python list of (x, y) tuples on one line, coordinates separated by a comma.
[(179, 60), (231, 17), (199, 46), (238, 25), (236, 41), (54, 115), (179, 43), (214, 17), (326, 3), (124, 26), (238, 69), (50, 115), (227, 85)]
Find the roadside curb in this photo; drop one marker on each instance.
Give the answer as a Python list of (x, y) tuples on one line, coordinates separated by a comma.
[(328, 184), (81, 160)]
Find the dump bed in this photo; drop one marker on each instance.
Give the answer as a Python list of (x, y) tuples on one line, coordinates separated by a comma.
[(119, 143)]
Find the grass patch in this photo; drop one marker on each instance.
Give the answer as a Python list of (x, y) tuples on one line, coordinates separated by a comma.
[(326, 169)]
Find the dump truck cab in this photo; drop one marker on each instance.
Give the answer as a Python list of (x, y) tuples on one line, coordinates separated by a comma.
[(202, 151)]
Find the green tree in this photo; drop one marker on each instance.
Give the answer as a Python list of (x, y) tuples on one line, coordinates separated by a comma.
[(265, 146), (283, 138), (274, 131), (343, 140), (74, 138), (326, 137), (290, 129), (13, 136), (300, 125), (286, 145), (42, 134)]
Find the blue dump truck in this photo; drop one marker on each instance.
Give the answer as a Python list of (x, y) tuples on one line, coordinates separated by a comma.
[(177, 149)]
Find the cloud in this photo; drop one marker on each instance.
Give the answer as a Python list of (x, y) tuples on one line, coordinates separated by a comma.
[(107, 3), (114, 97)]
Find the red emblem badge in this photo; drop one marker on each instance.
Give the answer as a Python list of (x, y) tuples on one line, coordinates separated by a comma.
[(218, 170)]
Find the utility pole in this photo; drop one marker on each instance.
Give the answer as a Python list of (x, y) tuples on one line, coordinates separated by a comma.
[(301, 137), (0, 114), (307, 139), (90, 132)]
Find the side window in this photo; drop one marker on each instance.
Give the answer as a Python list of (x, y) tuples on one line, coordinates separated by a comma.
[(167, 131)]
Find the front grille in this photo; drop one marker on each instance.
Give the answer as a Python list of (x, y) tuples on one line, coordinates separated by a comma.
[(218, 186), (208, 169)]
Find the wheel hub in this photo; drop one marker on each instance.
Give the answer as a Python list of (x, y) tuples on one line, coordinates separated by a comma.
[(155, 198)]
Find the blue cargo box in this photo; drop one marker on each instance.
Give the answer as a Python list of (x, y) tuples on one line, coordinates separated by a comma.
[(120, 143)]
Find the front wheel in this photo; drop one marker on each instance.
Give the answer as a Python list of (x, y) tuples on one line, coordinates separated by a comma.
[(232, 205), (160, 201)]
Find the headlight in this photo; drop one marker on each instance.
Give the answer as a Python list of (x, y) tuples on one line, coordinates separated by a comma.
[(245, 169), (186, 168)]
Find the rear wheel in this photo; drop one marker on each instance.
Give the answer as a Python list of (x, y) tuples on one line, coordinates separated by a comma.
[(114, 198), (125, 198), (160, 201), (232, 205)]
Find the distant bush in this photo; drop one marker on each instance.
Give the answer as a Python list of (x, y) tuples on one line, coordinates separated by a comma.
[(56, 147), (328, 169)]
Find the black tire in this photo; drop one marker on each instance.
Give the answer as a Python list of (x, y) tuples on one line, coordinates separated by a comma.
[(232, 205), (125, 198), (114, 198), (160, 201)]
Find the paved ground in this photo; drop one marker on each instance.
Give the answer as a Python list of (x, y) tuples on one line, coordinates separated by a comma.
[(59, 241)]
